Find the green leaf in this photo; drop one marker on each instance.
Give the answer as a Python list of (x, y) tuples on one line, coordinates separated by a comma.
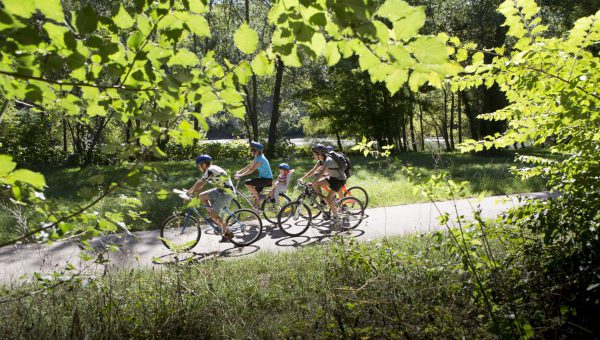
[(94, 109), (22, 8), (56, 34), (136, 40), (478, 59), (261, 65), (86, 20), (146, 140), (246, 39), (52, 9), (318, 43), (184, 57), (410, 25), (197, 6), (367, 59), (210, 104), (231, 96), (395, 80), (34, 179), (331, 53), (122, 19), (429, 50), (243, 72), (6, 165), (199, 26)]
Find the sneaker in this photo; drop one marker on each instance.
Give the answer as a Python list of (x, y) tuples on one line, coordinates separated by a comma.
[(226, 237)]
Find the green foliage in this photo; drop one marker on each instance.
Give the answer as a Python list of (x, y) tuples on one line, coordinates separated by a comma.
[(394, 56), (551, 84)]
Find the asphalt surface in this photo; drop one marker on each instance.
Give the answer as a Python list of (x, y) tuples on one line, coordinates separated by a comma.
[(143, 249)]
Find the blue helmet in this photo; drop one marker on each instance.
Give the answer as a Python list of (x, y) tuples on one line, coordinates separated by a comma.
[(256, 145), (203, 158), (329, 148), (284, 166), (319, 148)]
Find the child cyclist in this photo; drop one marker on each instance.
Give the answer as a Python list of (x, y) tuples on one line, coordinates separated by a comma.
[(281, 185), (260, 164), (219, 197)]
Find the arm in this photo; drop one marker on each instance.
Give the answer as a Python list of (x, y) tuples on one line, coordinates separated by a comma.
[(196, 187), (245, 168), (249, 169), (311, 172)]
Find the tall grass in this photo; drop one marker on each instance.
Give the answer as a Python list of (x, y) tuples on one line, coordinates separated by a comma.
[(401, 288)]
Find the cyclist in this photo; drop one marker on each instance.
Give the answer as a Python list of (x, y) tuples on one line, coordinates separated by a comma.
[(219, 197), (265, 176), (285, 174), (330, 176)]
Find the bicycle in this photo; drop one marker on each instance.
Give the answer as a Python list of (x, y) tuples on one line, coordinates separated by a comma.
[(182, 230), (295, 217), (268, 207), (354, 191)]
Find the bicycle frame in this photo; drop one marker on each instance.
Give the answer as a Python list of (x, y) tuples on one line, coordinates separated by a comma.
[(208, 221), (248, 197)]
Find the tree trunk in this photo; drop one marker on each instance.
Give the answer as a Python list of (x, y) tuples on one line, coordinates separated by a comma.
[(460, 139), (473, 123), (275, 114), (411, 117), (128, 132), (412, 133), (451, 125), (64, 130), (3, 109), (421, 125), (339, 141), (404, 137), (444, 126)]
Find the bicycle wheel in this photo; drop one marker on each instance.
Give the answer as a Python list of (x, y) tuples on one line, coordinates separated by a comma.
[(359, 193), (270, 209), (294, 218), (316, 208), (351, 212), (245, 225), (180, 232)]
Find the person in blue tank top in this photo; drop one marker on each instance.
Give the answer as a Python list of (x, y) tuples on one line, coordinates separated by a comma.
[(260, 164)]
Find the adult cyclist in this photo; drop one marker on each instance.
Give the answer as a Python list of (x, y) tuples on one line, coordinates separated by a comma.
[(330, 176), (260, 164), (218, 197)]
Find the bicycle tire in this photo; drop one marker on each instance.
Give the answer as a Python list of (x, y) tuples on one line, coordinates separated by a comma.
[(269, 210), (291, 216), (360, 193), (179, 242), (246, 226), (351, 213)]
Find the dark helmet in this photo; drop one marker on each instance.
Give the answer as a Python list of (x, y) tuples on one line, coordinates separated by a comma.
[(256, 145), (203, 158), (284, 166), (319, 148)]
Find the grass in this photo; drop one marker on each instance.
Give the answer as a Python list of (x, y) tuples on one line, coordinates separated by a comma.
[(382, 178), (401, 288)]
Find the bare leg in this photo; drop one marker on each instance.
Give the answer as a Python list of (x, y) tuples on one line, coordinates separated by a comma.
[(215, 217), (254, 193)]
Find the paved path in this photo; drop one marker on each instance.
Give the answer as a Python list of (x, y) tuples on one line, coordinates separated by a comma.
[(145, 249)]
